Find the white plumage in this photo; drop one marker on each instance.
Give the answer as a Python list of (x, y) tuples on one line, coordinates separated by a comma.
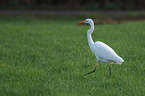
[(103, 52)]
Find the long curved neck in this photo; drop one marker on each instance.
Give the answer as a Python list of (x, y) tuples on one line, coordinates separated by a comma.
[(89, 32)]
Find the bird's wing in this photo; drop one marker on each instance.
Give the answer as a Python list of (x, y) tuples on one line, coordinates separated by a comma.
[(105, 52)]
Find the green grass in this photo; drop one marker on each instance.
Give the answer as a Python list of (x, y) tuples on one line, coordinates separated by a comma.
[(49, 57)]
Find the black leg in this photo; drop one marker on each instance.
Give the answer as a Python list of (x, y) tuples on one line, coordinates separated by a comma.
[(109, 69), (91, 71)]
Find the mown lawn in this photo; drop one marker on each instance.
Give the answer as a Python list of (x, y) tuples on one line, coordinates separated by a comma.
[(50, 57)]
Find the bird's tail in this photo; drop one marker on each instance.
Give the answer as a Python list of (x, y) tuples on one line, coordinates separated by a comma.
[(120, 61)]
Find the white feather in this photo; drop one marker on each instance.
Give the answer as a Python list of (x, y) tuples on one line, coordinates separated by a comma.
[(103, 52)]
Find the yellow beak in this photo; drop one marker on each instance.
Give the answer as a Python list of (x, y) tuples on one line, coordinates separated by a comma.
[(81, 21)]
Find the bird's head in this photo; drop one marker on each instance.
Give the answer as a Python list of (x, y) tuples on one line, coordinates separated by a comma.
[(90, 21)]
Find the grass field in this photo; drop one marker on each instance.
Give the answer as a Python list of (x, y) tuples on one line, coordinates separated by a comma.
[(49, 58)]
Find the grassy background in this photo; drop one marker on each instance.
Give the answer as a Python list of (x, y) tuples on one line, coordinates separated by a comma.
[(49, 57)]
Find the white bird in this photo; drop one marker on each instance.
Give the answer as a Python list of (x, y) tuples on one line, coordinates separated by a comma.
[(103, 52)]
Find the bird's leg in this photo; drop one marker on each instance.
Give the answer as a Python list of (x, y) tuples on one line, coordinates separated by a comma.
[(109, 69), (92, 71)]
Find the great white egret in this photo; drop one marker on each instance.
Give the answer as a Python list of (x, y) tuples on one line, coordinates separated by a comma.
[(103, 52)]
